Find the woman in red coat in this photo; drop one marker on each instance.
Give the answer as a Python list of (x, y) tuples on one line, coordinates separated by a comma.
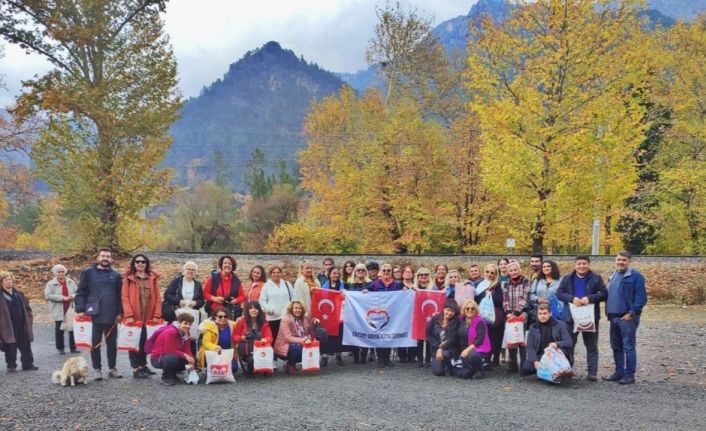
[(142, 302), (252, 326)]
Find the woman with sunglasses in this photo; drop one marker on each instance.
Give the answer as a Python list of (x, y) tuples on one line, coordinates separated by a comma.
[(217, 335), (422, 281), (385, 283), (473, 340), (491, 286), (252, 326), (141, 301), (543, 288), (360, 283)]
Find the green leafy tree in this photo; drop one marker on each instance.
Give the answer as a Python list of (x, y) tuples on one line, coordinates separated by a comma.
[(109, 100)]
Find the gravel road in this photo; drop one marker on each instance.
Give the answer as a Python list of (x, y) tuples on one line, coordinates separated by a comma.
[(670, 394)]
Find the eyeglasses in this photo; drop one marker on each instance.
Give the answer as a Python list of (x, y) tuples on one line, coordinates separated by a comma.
[(220, 316), (424, 275), (138, 262), (489, 272), (467, 309), (360, 270)]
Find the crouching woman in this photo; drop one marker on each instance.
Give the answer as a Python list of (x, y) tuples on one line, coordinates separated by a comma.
[(295, 329), (473, 340), (171, 351), (442, 333), (252, 326)]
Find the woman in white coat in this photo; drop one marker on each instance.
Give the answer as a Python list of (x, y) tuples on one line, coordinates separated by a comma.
[(60, 292)]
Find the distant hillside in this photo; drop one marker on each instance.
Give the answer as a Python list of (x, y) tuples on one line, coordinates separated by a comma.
[(260, 102), (454, 34)]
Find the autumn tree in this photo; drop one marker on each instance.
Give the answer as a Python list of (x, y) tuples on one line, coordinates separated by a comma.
[(552, 89), (682, 166), (109, 102)]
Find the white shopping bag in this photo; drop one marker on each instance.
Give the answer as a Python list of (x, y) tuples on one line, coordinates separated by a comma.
[(129, 336), (83, 331), (515, 331), (153, 326), (191, 377), (487, 309), (584, 317), (194, 331), (218, 366), (263, 358), (310, 356), (553, 366)]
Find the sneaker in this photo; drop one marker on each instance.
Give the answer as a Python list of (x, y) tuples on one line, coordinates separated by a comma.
[(324, 361), (97, 375), (148, 371), (290, 369), (75, 350), (627, 380), (114, 374), (615, 377), (169, 381), (30, 368), (12, 369), (61, 352), (140, 374), (592, 378)]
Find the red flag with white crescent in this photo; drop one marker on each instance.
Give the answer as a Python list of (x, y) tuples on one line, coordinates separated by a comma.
[(326, 306), (426, 304)]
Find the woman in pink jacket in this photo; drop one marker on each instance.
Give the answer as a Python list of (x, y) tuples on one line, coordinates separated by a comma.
[(294, 330)]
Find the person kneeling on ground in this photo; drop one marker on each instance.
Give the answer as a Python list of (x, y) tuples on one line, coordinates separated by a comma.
[(295, 329), (250, 327), (441, 335), (473, 340), (217, 335), (545, 332), (171, 351)]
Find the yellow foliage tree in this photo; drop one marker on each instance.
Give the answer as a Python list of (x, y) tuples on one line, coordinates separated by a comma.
[(551, 87)]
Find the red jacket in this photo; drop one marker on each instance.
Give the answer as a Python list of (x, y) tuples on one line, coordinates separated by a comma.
[(169, 341), (220, 291), (130, 298), (241, 328)]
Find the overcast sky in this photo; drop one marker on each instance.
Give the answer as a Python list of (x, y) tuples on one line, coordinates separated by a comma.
[(208, 35)]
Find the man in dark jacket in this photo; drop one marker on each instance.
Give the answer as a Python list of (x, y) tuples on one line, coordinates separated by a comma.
[(583, 287), (98, 296), (545, 332), (627, 296)]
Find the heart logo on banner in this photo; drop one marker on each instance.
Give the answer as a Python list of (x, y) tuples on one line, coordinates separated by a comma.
[(377, 317)]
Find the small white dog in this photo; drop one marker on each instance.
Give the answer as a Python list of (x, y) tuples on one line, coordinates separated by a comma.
[(75, 369)]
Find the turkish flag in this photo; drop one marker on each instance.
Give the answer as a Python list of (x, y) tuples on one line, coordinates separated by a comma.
[(426, 304), (326, 306)]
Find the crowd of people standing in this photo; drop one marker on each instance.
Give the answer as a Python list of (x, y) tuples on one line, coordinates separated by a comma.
[(268, 308)]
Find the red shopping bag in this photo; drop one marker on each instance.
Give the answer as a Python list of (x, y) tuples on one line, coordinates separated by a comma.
[(83, 331), (263, 357), (129, 336), (311, 356)]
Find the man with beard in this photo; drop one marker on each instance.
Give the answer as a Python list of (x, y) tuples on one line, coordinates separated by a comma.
[(98, 296), (536, 266)]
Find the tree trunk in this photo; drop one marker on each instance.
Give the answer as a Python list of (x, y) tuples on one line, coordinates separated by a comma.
[(608, 234)]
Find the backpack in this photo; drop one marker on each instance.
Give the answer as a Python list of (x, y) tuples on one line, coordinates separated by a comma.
[(149, 343)]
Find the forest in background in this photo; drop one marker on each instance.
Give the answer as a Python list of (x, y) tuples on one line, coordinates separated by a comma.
[(563, 113)]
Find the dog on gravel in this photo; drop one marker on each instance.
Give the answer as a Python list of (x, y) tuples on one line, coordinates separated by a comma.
[(74, 370)]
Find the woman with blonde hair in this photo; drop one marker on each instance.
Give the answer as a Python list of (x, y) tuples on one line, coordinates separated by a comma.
[(473, 340), (422, 281), (453, 278), (304, 283), (295, 329), (491, 286)]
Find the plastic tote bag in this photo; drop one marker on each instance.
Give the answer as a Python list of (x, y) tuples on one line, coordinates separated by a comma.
[(83, 331), (263, 357), (191, 377), (515, 331), (153, 326), (311, 356), (129, 336), (194, 331), (218, 366), (464, 292), (487, 309), (584, 318), (553, 366)]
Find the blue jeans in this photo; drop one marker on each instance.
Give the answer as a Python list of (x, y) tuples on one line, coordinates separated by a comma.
[(294, 354), (622, 340)]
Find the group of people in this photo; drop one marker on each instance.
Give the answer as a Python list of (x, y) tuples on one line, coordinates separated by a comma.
[(271, 309)]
